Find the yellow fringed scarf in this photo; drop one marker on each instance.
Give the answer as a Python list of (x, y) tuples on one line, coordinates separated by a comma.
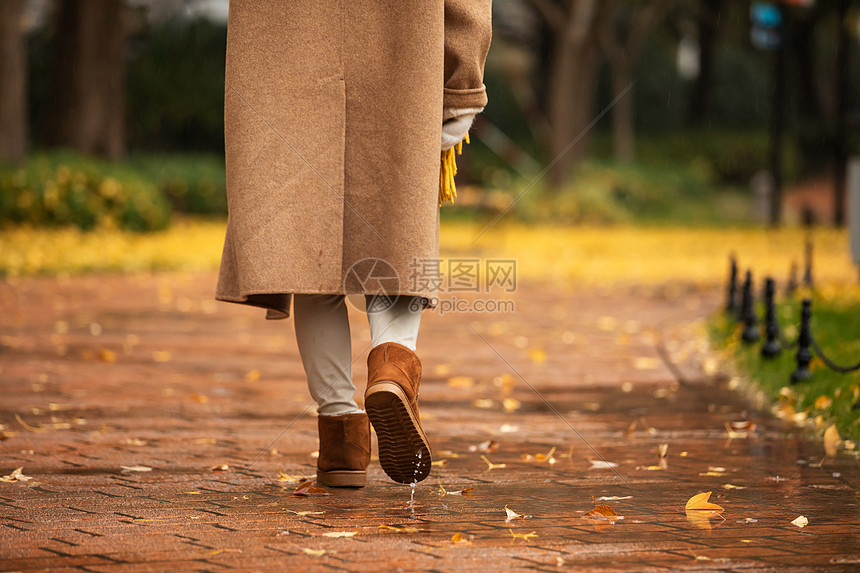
[(447, 188)]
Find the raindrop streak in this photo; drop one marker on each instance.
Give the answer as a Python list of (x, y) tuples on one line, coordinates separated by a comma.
[(414, 485)]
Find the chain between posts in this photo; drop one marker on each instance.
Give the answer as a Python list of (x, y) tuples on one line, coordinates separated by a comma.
[(806, 344)]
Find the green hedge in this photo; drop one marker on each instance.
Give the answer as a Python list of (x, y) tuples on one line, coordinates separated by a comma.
[(64, 189), (193, 183)]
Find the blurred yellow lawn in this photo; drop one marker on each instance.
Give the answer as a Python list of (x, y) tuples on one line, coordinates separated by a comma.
[(579, 255)]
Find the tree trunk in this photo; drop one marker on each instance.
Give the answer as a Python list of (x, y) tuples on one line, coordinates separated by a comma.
[(89, 77), (571, 91), (13, 82), (623, 138), (699, 105)]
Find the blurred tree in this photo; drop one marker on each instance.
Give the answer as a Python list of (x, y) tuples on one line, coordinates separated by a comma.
[(622, 35), (88, 84), (708, 15), (13, 82), (570, 84)]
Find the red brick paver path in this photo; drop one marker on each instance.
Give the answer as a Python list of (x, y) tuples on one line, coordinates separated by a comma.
[(105, 376)]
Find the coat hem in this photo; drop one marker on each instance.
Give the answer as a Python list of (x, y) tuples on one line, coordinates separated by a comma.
[(277, 304)]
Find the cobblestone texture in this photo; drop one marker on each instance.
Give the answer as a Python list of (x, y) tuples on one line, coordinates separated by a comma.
[(104, 372)]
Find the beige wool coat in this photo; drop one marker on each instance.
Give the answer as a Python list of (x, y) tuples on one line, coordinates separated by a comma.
[(333, 115)]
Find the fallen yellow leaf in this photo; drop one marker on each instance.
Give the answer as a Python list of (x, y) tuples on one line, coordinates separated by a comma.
[(461, 381), (831, 441), (699, 502), (524, 536), (339, 534)]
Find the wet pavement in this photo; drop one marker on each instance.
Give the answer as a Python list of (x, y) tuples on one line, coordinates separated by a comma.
[(164, 431)]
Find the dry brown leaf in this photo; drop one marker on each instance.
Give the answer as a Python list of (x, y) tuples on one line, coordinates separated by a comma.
[(306, 489), (699, 502), (602, 512), (831, 441)]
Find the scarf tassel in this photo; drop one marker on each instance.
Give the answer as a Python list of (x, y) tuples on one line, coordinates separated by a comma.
[(447, 188)]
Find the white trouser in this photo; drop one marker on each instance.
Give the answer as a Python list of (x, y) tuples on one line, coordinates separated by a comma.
[(322, 334)]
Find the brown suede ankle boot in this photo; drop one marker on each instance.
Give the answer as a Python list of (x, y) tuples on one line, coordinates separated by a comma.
[(391, 400), (344, 450)]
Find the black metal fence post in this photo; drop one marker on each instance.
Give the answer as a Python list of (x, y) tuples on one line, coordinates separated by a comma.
[(750, 332), (804, 341), (771, 348)]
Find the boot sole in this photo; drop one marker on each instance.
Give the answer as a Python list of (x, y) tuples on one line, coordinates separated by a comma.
[(404, 452), (342, 478)]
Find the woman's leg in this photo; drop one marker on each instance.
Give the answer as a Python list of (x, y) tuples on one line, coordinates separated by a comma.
[(394, 320), (322, 334), (391, 398)]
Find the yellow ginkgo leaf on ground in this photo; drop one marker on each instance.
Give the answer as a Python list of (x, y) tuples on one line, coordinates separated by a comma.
[(831, 441), (602, 512), (602, 464), (699, 502), (538, 355), (461, 381), (315, 552), (339, 534), (613, 497), (511, 514), (523, 536), (461, 538), (491, 465), (800, 521), (401, 529), (646, 363)]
